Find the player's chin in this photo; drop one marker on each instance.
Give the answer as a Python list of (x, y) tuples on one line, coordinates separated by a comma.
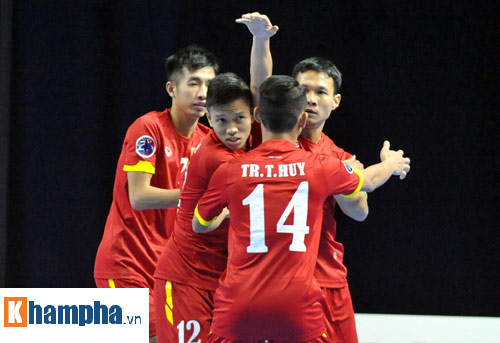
[(199, 114), (313, 124)]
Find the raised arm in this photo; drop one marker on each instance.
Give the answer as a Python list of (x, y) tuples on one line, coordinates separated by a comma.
[(143, 196), (261, 62)]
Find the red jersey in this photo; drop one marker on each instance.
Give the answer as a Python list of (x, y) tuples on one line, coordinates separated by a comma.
[(330, 270), (190, 258), (133, 240), (268, 290)]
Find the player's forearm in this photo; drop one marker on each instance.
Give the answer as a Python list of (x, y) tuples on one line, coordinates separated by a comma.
[(261, 64), (355, 207), (376, 175), (200, 227), (151, 197)]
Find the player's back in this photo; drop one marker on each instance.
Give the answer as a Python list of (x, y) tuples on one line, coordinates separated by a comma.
[(275, 195)]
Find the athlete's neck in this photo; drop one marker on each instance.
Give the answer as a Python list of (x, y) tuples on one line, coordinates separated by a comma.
[(184, 123), (312, 134), (287, 136)]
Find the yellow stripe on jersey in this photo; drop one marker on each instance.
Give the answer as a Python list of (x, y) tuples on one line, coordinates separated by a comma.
[(111, 283), (360, 184), (201, 220), (169, 303), (141, 166), (324, 335)]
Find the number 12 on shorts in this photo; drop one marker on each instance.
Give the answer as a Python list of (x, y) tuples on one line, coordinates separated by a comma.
[(299, 228), (190, 325)]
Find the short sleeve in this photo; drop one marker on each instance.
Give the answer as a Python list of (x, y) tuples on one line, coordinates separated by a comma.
[(341, 178), (141, 146), (201, 167), (214, 199)]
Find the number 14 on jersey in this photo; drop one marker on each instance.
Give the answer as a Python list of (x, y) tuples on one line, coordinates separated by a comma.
[(299, 228)]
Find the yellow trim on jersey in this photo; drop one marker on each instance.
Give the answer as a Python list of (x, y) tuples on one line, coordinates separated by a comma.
[(169, 303), (111, 283), (201, 220), (360, 184), (324, 335), (141, 166)]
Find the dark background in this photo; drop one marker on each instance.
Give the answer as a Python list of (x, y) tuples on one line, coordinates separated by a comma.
[(424, 75)]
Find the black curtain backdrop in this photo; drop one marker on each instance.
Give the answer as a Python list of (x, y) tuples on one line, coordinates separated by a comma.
[(421, 74)]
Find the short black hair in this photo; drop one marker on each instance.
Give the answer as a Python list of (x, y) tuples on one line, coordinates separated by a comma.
[(192, 57), (226, 88), (320, 65), (282, 101)]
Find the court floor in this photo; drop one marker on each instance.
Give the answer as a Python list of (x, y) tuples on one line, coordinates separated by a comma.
[(390, 328)]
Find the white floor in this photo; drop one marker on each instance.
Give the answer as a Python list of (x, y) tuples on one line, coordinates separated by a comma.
[(391, 328)]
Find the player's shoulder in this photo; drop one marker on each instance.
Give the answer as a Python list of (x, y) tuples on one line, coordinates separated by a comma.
[(329, 145), (202, 129), (149, 119), (327, 142), (212, 151)]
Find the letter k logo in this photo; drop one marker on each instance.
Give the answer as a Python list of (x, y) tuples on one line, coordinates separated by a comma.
[(15, 311)]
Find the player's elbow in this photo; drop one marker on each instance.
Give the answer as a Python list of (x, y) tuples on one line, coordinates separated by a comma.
[(136, 205), (359, 212), (361, 216), (137, 202), (197, 226)]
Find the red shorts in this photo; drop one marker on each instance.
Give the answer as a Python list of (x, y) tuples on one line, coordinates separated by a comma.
[(183, 313), (339, 315), (213, 338), (132, 283)]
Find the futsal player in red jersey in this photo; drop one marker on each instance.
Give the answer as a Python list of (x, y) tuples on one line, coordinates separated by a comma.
[(146, 192), (275, 194), (190, 265), (322, 80)]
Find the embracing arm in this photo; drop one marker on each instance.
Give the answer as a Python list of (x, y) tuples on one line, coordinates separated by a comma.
[(143, 196), (393, 163), (201, 226), (355, 207)]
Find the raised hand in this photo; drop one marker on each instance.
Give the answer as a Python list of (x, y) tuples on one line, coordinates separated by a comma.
[(401, 163), (258, 24)]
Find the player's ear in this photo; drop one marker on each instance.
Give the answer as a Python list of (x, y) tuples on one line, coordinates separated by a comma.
[(170, 87), (336, 101), (303, 120), (256, 114), (209, 118)]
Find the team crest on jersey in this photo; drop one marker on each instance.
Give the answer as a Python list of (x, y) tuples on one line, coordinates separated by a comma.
[(348, 168), (145, 146)]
